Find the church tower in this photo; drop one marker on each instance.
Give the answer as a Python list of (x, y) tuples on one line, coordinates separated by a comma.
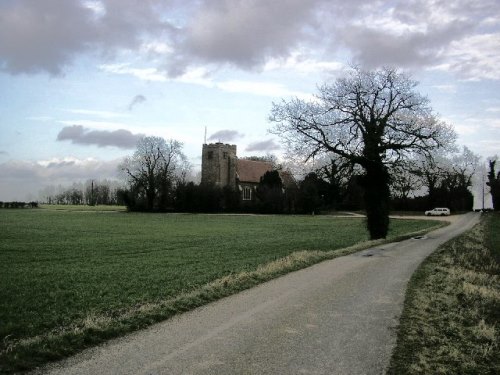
[(218, 164)]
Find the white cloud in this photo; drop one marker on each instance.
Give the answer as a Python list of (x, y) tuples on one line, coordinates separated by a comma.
[(451, 89), (102, 114), (40, 118), (96, 6), (145, 74), (197, 76), (475, 57), (302, 63), (466, 129), (259, 88), (201, 76), (156, 47)]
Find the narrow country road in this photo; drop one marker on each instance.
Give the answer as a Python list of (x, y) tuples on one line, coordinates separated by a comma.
[(337, 317)]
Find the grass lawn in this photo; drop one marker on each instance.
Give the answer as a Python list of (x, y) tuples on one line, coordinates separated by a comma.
[(70, 279), (451, 318)]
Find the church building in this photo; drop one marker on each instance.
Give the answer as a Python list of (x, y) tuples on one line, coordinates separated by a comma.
[(221, 167)]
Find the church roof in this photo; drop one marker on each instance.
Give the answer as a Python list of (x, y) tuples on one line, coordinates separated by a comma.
[(252, 171)]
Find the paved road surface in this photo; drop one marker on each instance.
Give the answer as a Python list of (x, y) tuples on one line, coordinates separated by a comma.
[(337, 317)]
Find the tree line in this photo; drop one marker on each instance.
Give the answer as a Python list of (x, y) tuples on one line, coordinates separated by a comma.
[(90, 192), (158, 183)]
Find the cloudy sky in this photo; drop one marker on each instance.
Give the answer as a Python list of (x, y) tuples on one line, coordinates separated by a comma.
[(81, 81)]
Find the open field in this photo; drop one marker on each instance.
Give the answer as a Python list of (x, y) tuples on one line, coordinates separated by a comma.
[(82, 208), (451, 319), (70, 279)]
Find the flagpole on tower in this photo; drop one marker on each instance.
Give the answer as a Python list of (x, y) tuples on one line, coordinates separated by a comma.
[(205, 135)]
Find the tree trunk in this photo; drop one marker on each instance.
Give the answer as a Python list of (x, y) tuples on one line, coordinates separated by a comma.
[(377, 199)]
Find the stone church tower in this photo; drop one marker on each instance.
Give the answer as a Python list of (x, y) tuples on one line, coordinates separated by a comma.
[(218, 164)]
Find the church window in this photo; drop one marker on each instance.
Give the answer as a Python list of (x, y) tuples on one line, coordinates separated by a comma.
[(247, 193), (210, 155)]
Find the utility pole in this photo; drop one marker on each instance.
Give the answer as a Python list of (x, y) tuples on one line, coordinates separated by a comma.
[(482, 185)]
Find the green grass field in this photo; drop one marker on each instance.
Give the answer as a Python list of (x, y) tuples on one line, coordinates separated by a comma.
[(451, 318), (73, 278)]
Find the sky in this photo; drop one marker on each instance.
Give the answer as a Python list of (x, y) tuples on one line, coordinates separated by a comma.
[(82, 80)]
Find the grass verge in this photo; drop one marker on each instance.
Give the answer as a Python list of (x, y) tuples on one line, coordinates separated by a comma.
[(72, 279), (451, 316)]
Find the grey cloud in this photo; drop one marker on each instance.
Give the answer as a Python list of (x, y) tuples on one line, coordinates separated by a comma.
[(79, 135), (375, 48), (136, 100), (44, 36), (246, 33), (3, 152), (225, 135), (432, 28), (268, 145)]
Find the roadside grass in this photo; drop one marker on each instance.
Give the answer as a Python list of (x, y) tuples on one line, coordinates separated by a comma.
[(72, 279), (451, 316)]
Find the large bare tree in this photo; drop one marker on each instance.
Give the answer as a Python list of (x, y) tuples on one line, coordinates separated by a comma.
[(369, 118), (153, 169)]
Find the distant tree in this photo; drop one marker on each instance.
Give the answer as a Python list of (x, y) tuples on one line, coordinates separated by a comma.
[(153, 170), (403, 181), (231, 199), (353, 198), (74, 196), (370, 119), (458, 180), (446, 176), (494, 184), (336, 172), (190, 197), (310, 197), (270, 193), (431, 168), (464, 166)]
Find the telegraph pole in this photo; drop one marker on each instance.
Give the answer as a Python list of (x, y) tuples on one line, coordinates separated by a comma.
[(482, 185)]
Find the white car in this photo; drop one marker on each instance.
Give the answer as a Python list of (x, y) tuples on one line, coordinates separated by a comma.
[(438, 212)]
